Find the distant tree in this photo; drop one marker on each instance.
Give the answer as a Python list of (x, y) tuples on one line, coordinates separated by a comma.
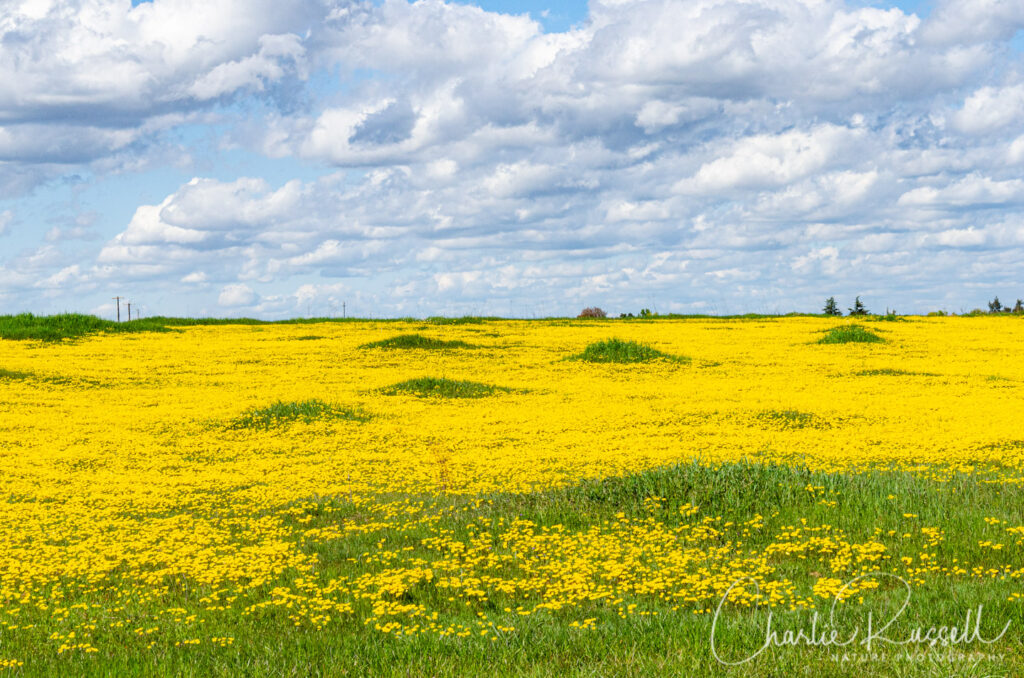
[(858, 308), (994, 306), (592, 312), (645, 313), (1019, 307), (831, 308)]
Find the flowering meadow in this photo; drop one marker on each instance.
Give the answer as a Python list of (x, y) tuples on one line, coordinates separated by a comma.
[(484, 497)]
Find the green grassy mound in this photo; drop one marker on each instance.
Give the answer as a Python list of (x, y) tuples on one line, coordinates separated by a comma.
[(416, 341), (849, 334), (427, 387), (620, 351), (307, 411)]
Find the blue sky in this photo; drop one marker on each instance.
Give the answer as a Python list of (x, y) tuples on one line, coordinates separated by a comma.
[(276, 159)]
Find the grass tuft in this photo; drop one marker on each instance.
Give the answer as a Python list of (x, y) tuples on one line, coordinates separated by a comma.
[(12, 375), (847, 334), (306, 411), (416, 341), (426, 387), (619, 351)]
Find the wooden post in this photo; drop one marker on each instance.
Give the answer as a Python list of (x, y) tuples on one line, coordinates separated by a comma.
[(118, 300)]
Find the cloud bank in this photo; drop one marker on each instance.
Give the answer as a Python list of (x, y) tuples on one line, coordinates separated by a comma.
[(719, 156)]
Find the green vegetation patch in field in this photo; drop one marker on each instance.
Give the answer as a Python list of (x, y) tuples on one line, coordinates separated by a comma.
[(59, 380), (620, 351), (847, 334), (791, 419), (282, 413), (889, 372), (425, 387), (416, 341), (463, 320), (871, 507), (26, 326), (759, 504), (1008, 445)]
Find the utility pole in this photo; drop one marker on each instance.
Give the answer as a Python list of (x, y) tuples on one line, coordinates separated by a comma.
[(343, 309), (129, 311), (118, 300)]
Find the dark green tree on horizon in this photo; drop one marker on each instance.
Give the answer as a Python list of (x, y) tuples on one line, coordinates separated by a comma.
[(858, 308), (831, 307)]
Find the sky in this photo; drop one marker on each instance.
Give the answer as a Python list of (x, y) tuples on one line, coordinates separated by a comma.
[(285, 158)]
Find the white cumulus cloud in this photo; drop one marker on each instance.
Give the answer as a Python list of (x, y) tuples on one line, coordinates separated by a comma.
[(236, 295)]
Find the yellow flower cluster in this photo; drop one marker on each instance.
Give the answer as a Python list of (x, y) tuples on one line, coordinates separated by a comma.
[(124, 487)]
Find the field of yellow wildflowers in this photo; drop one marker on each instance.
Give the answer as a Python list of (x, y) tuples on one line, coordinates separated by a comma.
[(314, 499)]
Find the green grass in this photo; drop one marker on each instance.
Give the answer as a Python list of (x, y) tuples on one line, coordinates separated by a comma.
[(416, 341), (620, 351), (671, 643), (13, 375), (847, 334), (51, 328), (307, 337), (463, 320), (306, 411), (434, 387)]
